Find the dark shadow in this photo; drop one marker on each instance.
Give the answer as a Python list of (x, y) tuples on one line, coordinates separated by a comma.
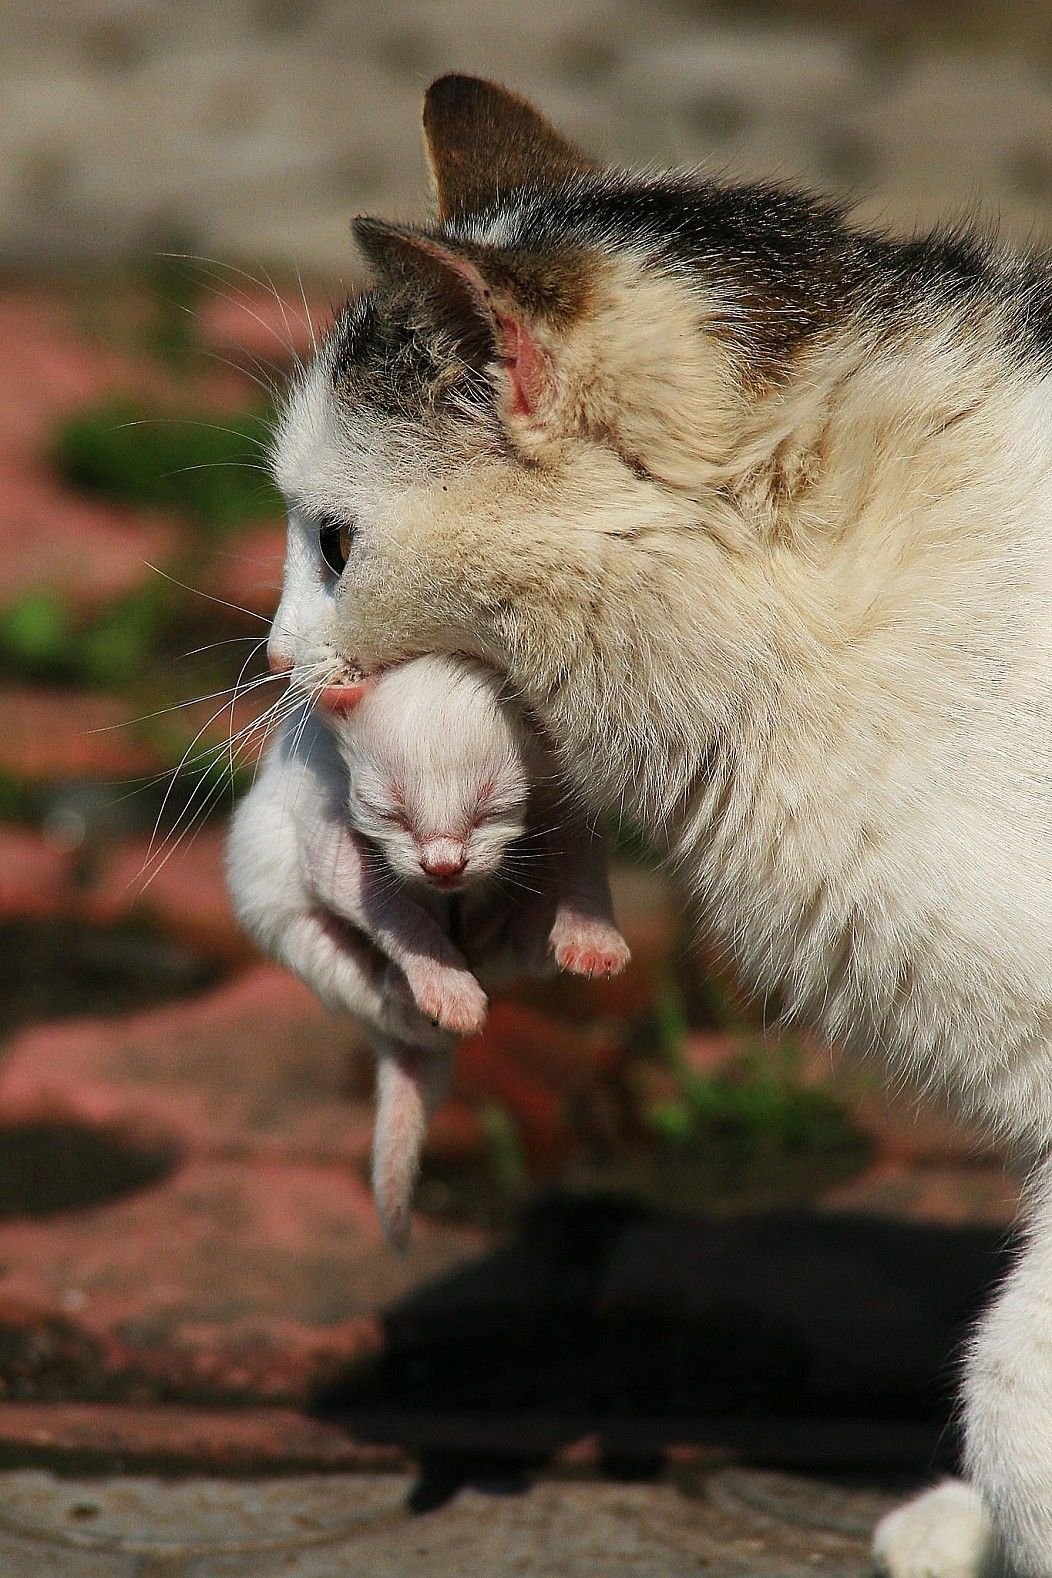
[(55, 969), (788, 1339), (46, 1168)]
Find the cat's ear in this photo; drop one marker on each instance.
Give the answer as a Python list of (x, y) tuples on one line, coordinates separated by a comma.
[(481, 302), (483, 141)]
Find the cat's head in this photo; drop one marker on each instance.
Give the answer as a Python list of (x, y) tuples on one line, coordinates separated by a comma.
[(437, 771), (562, 359)]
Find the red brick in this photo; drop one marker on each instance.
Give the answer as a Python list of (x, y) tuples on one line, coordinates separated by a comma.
[(175, 1436), (36, 875), (249, 574), (711, 1052), (50, 367), (952, 1196), (82, 550), (457, 1133), (178, 883), (256, 1064), (48, 733), (229, 1279)]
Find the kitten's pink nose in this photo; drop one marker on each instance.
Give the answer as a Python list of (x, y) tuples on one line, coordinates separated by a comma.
[(442, 859), (278, 662)]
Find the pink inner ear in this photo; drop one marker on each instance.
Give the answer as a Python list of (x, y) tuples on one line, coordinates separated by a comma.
[(524, 364), (520, 355)]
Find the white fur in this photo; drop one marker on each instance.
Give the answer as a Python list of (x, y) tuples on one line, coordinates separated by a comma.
[(800, 627), (943, 1533), (841, 726), (434, 759)]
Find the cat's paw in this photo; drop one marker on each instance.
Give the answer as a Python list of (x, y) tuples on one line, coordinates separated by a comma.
[(587, 946), (451, 999), (942, 1533)]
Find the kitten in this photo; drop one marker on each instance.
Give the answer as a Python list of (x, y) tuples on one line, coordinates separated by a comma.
[(447, 779), (753, 511), (409, 803)]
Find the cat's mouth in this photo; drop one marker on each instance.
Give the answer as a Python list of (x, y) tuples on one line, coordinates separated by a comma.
[(344, 694)]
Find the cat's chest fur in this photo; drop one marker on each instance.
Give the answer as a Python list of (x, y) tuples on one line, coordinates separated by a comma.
[(873, 836)]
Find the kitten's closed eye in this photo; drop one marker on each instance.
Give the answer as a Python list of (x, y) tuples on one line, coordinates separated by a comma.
[(334, 539)]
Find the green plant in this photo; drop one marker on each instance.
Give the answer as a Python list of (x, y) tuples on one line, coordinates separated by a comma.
[(206, 466), (760, 1100)]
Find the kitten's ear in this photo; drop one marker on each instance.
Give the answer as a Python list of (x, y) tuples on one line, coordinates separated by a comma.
[(483, 141), (487, 315)]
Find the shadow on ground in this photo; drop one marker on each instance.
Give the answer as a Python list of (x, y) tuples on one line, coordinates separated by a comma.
[(787, 1339)]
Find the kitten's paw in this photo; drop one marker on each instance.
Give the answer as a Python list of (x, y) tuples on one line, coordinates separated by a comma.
[(588, 947), (943, 1533), (452, 999)]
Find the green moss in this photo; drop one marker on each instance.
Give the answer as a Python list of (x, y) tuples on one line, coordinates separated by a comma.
[(40, 640), (760, 1099), (36, 636), (206, 466)]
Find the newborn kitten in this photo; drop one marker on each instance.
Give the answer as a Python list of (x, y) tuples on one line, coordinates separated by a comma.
[(398, 810), (753, 511), (442, 776), (446, 778)]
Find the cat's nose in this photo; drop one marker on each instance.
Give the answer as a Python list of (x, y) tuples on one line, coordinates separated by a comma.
[(278, 662), (442, 859)]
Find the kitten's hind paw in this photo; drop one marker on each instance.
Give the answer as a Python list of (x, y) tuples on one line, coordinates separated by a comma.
[(589, 947), (942, 1533), (451, 999)]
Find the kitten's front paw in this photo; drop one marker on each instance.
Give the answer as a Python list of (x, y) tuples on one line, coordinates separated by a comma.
[(452, 999), (943, 1533), (586, 946)]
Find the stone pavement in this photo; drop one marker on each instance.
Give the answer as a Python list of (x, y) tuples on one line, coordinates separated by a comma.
[(727, 1524)]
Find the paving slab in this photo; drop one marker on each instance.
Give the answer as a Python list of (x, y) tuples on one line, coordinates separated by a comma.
[(731, 1524)]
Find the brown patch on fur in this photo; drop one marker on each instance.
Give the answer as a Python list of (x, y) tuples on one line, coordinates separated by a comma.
[(555, 288), (483, 141)]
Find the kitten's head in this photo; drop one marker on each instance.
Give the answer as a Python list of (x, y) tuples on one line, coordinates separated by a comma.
[(437, 771)]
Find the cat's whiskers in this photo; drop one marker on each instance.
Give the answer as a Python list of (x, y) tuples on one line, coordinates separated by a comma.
[(210, 597), (207, 791), (239, 297), (213, 646), (263, 724), (194, 701)]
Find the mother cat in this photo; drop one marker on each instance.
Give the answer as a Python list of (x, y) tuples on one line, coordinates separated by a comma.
[(756, 513)]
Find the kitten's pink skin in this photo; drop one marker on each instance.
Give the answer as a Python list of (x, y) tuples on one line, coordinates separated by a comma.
[(589, 947)]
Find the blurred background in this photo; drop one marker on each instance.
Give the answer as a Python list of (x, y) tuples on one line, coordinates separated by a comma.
[(637, 1203)]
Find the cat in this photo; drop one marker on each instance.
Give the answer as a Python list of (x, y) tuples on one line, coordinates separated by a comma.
[(420, 797), (754, 511)]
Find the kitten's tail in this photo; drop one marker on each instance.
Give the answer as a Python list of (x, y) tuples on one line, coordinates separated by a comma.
[(410, 1084)]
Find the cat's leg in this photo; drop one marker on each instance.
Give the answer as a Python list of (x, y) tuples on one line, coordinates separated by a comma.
[(943, 1533), (351, 976), (349, 879), (410, 1084), (584, 937), (1008, 1397)]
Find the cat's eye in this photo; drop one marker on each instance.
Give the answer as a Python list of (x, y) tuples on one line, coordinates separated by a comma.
[(334, 539)]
